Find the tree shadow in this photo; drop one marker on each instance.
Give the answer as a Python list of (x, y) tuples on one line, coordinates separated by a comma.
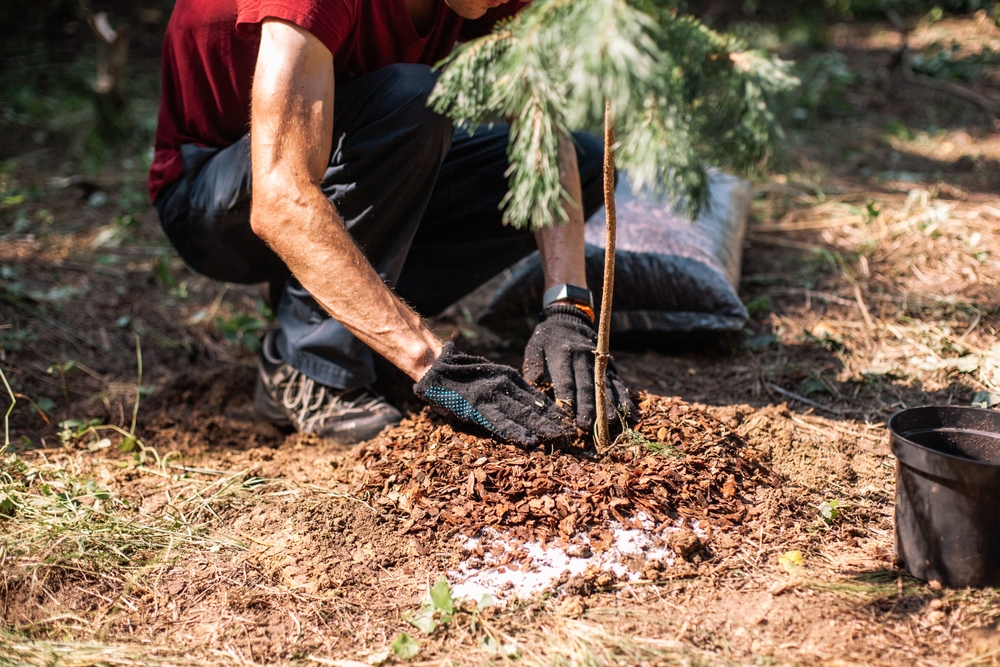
[(886, 595)]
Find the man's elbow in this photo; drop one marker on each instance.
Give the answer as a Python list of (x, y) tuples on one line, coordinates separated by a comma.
[(260, 223), (265, 213), (278, 202)]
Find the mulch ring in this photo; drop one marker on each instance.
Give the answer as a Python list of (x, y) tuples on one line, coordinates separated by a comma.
[(678, 463)]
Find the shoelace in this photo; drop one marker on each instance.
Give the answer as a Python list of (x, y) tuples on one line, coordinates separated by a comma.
[(306, 397)]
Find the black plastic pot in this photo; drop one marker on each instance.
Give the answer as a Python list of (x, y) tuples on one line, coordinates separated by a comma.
[(948, 494)]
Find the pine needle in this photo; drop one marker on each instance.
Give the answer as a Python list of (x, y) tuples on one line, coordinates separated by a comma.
[(684, 97)]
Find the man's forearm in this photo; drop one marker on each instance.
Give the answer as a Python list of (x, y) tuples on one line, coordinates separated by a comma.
[(292, 120), (320, 252), (561, 245)]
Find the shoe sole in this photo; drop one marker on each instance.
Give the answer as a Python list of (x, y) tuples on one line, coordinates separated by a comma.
[(351, 432)]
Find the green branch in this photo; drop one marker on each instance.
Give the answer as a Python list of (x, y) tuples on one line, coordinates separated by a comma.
[(684, 97)]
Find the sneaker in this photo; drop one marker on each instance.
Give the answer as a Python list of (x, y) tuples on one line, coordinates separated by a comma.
[(286, 397)]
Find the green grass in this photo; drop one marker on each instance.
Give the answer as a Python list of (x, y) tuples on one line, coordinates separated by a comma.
[(634, 439)]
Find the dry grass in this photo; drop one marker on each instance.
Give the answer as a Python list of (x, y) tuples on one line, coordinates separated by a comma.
[(18, 651), (900, 290), (67, 535), (232, 541)]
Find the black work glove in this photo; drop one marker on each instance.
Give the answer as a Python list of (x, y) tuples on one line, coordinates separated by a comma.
[(563, 343), (493, 396)]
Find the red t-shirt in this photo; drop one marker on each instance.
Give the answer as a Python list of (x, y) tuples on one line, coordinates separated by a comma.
[(210, 52)]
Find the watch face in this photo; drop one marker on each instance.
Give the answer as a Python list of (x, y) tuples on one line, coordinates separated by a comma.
[(578, 294), (567, 292)]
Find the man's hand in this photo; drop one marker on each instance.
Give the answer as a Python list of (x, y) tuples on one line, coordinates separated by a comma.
[(563, 343), (492, 396), (564, 340)]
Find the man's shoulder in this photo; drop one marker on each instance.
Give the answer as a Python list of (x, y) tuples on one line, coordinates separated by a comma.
[(329, 20)]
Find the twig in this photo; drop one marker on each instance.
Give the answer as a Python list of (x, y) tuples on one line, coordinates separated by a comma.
[(601, 435), (822, 426), (653, 582), (316, 488), (864, 307), (6, 417), (813, 294), (803, 399), (138, 385), (216, 303), (41, 413), (975, 323), (979, 659), (807, 225), (201, 471), (256, 541)]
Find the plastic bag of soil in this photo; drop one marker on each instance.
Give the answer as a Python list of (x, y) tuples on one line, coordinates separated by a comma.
[(671, 275)]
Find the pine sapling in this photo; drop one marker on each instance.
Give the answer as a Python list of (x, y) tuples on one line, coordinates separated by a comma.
[(676, 98), (601, 435)]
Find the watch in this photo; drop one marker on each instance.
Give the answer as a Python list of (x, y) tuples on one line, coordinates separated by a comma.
[(571, 293)]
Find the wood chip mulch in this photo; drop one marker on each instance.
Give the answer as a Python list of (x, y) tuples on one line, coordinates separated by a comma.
[(686, 464)]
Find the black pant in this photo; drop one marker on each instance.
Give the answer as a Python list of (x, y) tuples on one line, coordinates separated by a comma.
[(420, 198)]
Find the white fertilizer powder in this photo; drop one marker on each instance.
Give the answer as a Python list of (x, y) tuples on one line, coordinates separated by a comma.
[(477, 576)]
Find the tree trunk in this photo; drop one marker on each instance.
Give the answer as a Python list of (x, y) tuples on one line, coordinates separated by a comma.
[(111, 103), (603, 438)]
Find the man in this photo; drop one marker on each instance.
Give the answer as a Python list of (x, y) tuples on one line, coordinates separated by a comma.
[(363, 201)]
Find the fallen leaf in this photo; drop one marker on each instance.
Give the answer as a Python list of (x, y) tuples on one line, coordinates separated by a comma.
[(791, 561)]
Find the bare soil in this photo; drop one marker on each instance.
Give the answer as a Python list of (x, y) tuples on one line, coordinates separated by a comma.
[(873, 259)]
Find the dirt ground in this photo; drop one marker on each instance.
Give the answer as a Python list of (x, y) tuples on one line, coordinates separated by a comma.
[(181, 529)]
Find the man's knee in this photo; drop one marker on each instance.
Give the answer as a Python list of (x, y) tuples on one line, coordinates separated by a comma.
[(590, 161)]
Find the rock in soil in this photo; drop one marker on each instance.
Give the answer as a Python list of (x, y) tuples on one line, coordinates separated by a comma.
[(684, 542)]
